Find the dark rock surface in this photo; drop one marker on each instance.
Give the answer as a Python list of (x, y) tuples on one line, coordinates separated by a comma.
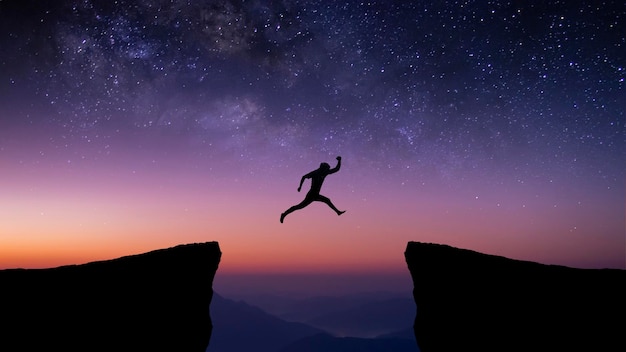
[(156, 301), (468, 301)]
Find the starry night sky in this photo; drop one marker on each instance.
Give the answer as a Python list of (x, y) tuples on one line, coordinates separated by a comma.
[(497, 126)]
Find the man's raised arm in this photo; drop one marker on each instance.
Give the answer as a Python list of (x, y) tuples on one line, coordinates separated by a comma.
[(336, 168)]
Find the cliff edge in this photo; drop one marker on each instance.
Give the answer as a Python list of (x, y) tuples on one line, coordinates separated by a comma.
[(469, 301), (156, 301)]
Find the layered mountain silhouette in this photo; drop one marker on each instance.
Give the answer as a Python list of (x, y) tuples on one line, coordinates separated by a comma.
[(370, 319), (156, 301), (328, 343), (362, 314), (469, 301), (240, 326)]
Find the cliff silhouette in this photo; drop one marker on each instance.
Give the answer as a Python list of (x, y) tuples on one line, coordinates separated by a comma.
[(156, 301), (160, 301), (469, 301)]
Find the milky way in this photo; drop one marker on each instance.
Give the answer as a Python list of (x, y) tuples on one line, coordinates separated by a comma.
[(492, 92)]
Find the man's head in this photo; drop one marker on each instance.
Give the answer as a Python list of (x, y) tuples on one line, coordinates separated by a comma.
[(324, 166)]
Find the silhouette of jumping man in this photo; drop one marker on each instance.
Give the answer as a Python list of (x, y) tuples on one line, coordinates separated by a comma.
[(317, 178)]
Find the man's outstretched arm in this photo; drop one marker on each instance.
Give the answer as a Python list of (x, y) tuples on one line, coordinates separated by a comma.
[(336, 168), (302, 180)]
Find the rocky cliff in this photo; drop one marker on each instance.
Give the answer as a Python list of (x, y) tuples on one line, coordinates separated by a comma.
[(156, 301), (468, 301)]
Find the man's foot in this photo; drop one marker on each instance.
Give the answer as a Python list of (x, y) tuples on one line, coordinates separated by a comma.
[(340, 212), (282, 217)]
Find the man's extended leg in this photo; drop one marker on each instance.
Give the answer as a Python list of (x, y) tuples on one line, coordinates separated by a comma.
[(301, 205), (330, 204)]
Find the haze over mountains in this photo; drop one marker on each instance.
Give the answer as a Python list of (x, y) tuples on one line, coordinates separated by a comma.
[(364, 314), (239, 326)]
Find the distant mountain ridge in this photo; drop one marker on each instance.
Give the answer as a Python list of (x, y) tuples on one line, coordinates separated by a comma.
[(328, 343), (242, 327), (362, 314), (370, 319)]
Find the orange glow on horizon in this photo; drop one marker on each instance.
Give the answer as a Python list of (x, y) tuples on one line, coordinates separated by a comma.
[(80, 219)]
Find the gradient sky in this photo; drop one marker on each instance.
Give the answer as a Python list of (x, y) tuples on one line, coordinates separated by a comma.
[(133, 125)]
